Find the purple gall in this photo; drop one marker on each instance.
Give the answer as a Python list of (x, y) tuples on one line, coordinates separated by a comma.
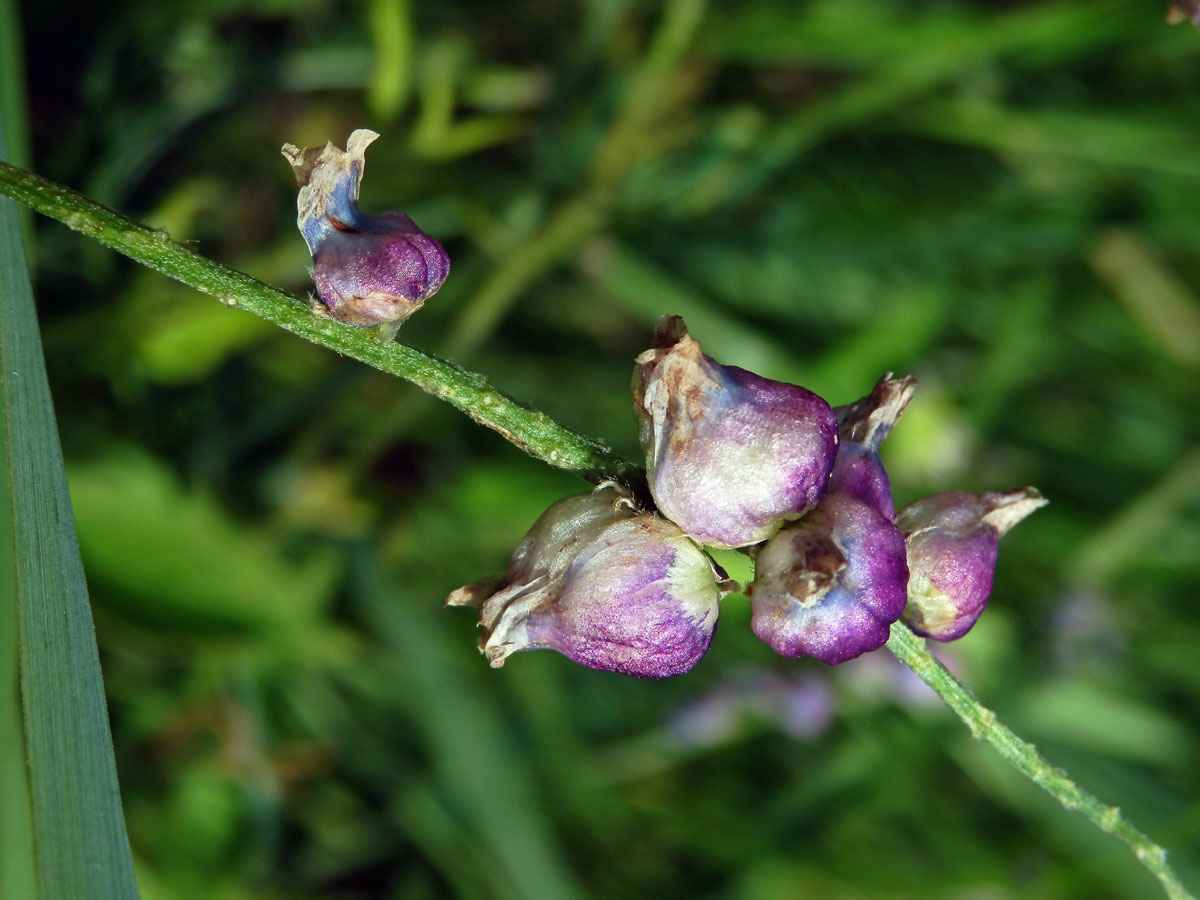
[(730, 456), (831, 584), (607, 586), (368, 270), (952, 539), (862, 427)]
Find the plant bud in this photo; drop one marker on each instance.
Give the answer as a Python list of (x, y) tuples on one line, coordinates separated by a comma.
[(952, 540), (369, 270), (607, 586), (862, 427), (830, 585), (730, 456)]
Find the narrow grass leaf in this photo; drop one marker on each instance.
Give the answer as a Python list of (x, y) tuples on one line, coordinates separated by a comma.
[(77, 827), (16, 825)]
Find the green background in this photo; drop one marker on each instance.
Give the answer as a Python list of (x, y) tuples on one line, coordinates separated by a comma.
[(1001, 198)]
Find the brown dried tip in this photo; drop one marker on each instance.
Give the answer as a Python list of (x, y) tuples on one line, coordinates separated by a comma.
[(1182, 11), (1007, 508), (668, 331), (870, 420)]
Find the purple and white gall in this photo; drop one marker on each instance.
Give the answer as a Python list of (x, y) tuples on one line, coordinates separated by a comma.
[(608, 586), (952, 539), (736, 460), (368, 270), (730, 456), (831, 584)]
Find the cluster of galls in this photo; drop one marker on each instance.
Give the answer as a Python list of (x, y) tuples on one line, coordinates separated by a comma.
[(734, 460)]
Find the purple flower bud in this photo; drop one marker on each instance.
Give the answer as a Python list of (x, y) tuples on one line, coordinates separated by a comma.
[(369, 270), (830, 585), (952, 540), (862, 427), (730, 456), (607, 586)]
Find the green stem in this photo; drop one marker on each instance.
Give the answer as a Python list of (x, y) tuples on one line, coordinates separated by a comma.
[(533, 431), (982, 722)]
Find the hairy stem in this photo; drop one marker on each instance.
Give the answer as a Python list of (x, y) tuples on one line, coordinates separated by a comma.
[(982, 722), (535, 433)]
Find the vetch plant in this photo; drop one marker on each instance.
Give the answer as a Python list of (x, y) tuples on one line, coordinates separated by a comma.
[(605, 578)]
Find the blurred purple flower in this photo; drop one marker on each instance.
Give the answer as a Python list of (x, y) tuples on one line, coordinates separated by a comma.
[(801, 706), (879, 675), (709, 719)]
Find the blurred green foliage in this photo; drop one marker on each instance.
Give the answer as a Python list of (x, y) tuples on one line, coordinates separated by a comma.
[(999, 197)]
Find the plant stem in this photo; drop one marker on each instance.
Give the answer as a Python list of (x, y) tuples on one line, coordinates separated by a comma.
[(536, 434), (982, 722), (533, 431)]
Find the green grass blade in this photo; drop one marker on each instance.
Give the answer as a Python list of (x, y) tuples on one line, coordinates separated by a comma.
[(14, 124), (82, 850), (16, 825)]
